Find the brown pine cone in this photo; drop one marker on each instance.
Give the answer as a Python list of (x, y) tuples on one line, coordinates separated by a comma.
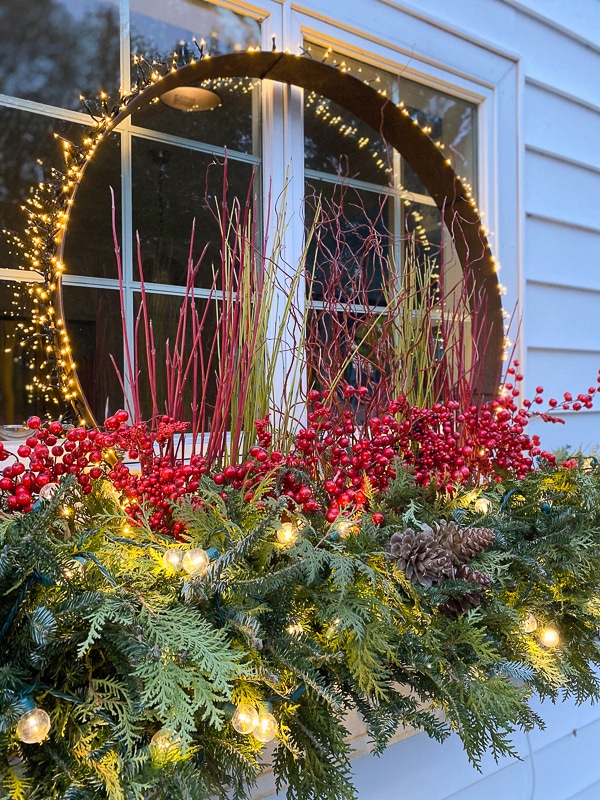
[(465, 573), (462, 544), (463, 603), (421, 558), (454, 606)]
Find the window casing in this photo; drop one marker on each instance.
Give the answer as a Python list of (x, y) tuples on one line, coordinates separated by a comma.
[(149, 163)]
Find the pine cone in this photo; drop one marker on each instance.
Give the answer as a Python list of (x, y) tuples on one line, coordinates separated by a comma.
[(421, 558), (465, 573), (454, 606), (462, 544), (463, 603)]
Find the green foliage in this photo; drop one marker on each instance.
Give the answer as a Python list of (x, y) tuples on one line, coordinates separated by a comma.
[(117, 649)]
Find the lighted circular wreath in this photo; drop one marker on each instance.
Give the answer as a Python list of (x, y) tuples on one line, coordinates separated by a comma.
[(392, 121)]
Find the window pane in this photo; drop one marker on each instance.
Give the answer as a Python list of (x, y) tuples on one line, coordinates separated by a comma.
[(353, 243), (172, 187), (453, 122), (54, 50), (20, 367), (94, 327), (29, 150), (235, 124), (335, 141), (160, 30), (164, 311), (423, 224), (89, 248), (158, 27)]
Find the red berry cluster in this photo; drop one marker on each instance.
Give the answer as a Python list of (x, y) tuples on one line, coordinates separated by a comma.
[(444, 446), (289, 471), (163, 477), (337, 461), (583, 400), (48, 454)]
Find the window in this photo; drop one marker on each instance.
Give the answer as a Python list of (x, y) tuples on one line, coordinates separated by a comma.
[(158, 164), (382, 220)]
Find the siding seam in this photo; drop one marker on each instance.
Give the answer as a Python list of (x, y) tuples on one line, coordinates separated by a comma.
[(564, 222), (562, 158), (571, 287), (546, 87)]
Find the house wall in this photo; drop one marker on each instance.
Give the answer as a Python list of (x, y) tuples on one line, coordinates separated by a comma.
[(535, 66)]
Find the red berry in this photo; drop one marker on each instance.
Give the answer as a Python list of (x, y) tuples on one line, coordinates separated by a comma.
[(332, 514), (378, 518), (34, 422)]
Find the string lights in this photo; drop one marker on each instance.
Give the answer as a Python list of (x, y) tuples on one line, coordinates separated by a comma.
[(49, 209), (287, 533), (260, 723), (34, 725)]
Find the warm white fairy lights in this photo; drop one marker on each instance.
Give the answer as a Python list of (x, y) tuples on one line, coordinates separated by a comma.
[(260, 723), (287, 533), (48, 211), (33, 726)]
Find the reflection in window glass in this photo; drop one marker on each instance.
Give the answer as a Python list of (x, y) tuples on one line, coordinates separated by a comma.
[(29, 150), (89, 248), (166, 30), (164, 311), (234, 124), (20, 363), (160, 27), (354, 244), (172, 187), (335, 141), (451, 120), (94, 324), (59, 49)]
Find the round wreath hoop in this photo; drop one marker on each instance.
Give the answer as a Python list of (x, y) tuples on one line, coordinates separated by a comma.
[(399, 130)]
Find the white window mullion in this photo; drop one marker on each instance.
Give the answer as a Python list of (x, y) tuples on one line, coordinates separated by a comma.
[(283, 179), (127, 252)]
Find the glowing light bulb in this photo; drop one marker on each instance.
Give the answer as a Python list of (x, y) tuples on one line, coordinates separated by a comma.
[(529, 624), (173, 559), (33, 726), (164, 740), (266, 728), (72, 569), (549, 637), (245, 718), (287, 533), (344, 527), (482, 505), (48, 491), (195, 562)]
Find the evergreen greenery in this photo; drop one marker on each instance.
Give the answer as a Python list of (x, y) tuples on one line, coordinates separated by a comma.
[(116, 649)]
